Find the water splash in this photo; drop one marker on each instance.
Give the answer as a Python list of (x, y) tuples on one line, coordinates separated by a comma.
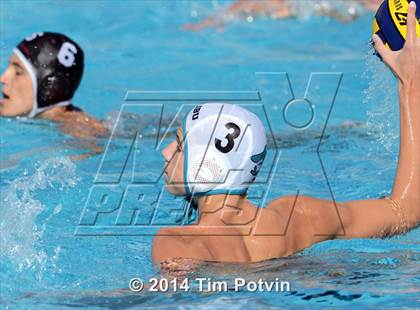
[(19, 233), (382, 102)]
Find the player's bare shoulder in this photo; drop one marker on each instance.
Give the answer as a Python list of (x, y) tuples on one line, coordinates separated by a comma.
[(282, 202), (80, 124), (294, 203)]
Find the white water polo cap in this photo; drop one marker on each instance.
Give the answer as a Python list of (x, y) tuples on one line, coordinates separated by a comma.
[(224, 148)]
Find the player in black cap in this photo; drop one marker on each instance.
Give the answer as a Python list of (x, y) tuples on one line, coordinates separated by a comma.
[(44, 72)]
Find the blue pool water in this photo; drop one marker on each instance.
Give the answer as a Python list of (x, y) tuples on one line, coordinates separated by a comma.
[(140, 46)]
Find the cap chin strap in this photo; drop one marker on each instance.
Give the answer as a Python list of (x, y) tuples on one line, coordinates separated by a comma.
[(35, 109)]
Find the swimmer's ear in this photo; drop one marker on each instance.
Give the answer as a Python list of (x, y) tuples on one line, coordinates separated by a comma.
[(380, 47)]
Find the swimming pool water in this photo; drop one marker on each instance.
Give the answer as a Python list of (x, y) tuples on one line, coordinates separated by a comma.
[(140, 45)]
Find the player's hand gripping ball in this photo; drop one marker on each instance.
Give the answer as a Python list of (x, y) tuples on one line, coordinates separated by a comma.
[(390, 22)]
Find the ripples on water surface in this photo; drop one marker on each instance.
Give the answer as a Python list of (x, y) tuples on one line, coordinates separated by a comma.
[(140, 46)]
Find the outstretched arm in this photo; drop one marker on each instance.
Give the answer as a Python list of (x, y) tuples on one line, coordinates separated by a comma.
[(401, 211), (278, 9), (405, 197)]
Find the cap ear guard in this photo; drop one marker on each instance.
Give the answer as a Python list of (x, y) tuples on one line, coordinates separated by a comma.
[(207, 170)]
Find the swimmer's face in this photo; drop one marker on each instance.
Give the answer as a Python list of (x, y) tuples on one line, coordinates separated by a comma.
[(174, 165), (17, 90)]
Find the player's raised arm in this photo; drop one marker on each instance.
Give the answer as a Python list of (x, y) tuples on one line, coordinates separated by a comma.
[(400, 211)]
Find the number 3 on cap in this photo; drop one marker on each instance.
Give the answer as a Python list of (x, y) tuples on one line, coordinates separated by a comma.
[(229, 137), (66, 54)]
